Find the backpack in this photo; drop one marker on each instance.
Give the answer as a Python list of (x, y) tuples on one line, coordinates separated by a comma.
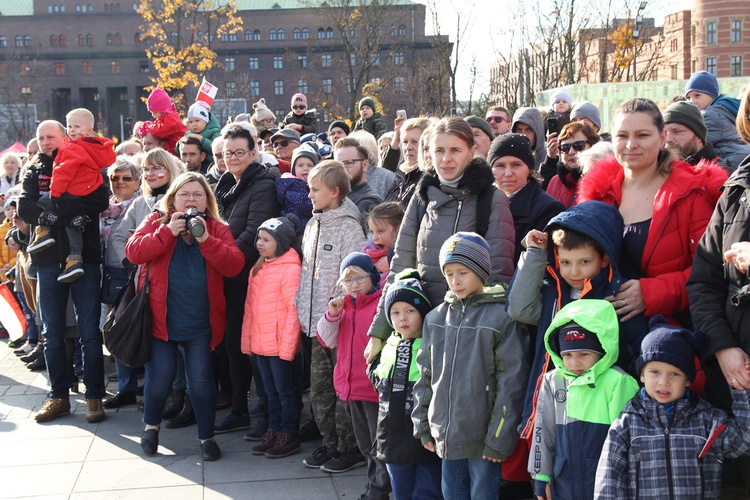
[(484, 207)]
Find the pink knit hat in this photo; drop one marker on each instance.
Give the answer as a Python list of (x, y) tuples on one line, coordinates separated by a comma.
[(299, 98), (159, 102)]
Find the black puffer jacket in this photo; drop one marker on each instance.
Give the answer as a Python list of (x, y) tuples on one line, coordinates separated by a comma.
[(719, 294)]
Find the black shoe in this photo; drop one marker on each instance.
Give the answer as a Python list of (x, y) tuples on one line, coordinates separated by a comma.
[(37, 365), (232, 423), (15, 344), (319, 457), (33, 355), (210, 450), (150, 441), (185, 418), (174, 405), (120, 399), (257, 432), (256, 410), (343, 462)]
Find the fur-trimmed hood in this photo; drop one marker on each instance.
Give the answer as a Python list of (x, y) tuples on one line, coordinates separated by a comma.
[(477, 177)]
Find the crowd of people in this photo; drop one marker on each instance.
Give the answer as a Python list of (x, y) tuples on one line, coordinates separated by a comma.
[(514, 306)]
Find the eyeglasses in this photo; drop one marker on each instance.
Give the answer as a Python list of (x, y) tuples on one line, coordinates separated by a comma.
[(496, 119), (117, 178), (281, 144), (578, 146), (299, 107), (218, 156), (357, 279), (350, 163), (152, 170), (197, 196), (239, 153)]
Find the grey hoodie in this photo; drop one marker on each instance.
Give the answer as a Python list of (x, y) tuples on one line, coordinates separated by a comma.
[(533, 118)]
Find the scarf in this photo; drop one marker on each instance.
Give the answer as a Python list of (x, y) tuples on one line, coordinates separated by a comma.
[(228, 190)]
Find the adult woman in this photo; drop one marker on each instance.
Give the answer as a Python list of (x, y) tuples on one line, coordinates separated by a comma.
[(448, 199), (10, 164), (512, 163), (185, 272), (574, 138), (246, 194), (408, 173), (666, 204)]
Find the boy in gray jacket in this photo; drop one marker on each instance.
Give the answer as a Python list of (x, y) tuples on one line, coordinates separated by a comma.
[(473, 369)]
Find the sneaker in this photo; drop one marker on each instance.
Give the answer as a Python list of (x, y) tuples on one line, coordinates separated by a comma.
[(286, 444), (120, 399), (269, 441), (15, 344), (232, 423), (53, 408), (343, 462), (257, 432), (319, 457), (42, 241), (94, 411), (24, 349), (36, 353), (73, 269)]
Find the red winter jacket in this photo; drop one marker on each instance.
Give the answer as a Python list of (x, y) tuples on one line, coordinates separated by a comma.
[(154, 242), (565, 194), (682, 209), (348, 333), (77, 169), (170, 129)]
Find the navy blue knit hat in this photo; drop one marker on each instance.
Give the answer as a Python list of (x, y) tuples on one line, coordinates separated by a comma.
[(705, 82), (407, 288), (470, 250), (671, 344), (362, 261)]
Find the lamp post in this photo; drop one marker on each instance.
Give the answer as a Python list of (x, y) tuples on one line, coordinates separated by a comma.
[(636, 35)]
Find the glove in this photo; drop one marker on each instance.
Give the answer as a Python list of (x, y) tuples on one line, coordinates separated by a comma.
[(48, 218)]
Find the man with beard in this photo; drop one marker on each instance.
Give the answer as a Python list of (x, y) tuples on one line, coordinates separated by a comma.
[(686, 133), (353, 156)]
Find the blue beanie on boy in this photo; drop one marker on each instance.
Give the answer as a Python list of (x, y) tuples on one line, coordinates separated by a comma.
[(671, 344), (407, 288), (470, 250), (705, 82), (362, 261)]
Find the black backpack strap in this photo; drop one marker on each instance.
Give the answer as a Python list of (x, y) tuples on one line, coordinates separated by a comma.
[(484, 209)]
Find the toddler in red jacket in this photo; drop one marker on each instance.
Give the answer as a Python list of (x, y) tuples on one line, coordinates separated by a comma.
[(76, 173), (345, 327), (167, 125)]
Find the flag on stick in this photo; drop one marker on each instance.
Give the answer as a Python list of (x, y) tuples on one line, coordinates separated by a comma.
[(206, 93), (11, 315)]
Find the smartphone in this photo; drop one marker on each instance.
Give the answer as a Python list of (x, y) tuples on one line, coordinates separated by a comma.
[(401, 113), (552, 126)]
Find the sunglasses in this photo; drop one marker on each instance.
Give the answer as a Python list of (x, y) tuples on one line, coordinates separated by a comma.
[(578, 146), (496, 119), (118, 178), (299, 107), (282, 144), (218, 156)]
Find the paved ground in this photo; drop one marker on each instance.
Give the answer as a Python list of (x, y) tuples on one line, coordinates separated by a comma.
[(69, 458)]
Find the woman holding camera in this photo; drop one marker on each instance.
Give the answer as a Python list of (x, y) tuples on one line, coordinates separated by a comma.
[(574, 138), (188, 249), (246, 194)]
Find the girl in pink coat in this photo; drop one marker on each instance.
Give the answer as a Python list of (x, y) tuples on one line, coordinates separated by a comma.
[(271, 331)]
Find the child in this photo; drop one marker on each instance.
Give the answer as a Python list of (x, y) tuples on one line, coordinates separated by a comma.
[(587, 239), (344, 327), (414, 472), (202, 125), (292, 190), (668, 442), (7, 256), (472, 363), (371, 121), (301, 119), (333, 233), (719, 113), (270, 331), (167, 126), (263, 118), (76, 173), (384, 221), (579, 399), (561, 105)]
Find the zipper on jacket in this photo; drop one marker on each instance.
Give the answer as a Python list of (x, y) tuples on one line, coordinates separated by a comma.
[(500, 425), (458, 215), (453, 368), (670, 479), (312, 281)]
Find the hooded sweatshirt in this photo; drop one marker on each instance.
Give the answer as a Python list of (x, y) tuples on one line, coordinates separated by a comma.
[(533, 118), (577, 409)]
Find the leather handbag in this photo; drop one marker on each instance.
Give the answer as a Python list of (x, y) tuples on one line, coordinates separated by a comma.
[(127, 331)]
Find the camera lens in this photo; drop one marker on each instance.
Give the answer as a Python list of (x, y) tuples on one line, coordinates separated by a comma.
[(195, 227)]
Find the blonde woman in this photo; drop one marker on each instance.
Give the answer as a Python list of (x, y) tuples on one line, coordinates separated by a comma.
[(10, 164)]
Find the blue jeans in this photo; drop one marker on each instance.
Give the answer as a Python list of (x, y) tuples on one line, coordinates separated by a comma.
[(281, 390), (53, 304), (417, 482), (160, 373), (32, 330), (474, 478), (127, 377)]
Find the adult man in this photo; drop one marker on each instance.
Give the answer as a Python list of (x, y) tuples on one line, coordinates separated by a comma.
[(53, 294), (284, 142), (354, 157), (192, 154), (483, 134), (338, 129), (529, 122), (150, 142), (686, 132), (499, 119)]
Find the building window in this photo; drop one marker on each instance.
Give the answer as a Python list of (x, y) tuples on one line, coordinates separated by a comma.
[(254, 88), (398, 59), (231, 88), (81, 40), (53, 41), (224, 37), (375, 80), (280, 113), (88, 68), (118, 39), (402, 30), (305, 33), (329, 32), (256, 35), (3, 41), (711, 65), (398, 84), (321, 33), (278, 62), (143, 66), (375, 59), (296, 34), (62, 41), (325, 60), (137, 38), (229, 63), (174, 37), (302, 86), (253, 63), (59, 68), (282, 34), (27, 41), (19, 41), (353, 59), (351, 83), (673, 45), (327, 86), (711, 33), (25, 68), (248, 36), (394, 30), (735, 67), (89, 40), (736, 31), (272, 34), (109, 39), (673, 75), (302, 60), (115, 65), (278, 87)]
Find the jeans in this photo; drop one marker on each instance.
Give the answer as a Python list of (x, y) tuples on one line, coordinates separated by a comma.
[(281, 390), (474, 478), (127, 377), (160, 372), (53, 303), (32, 330), (415, 482)]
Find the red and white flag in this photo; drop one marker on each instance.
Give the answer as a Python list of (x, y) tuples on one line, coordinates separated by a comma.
[(207, 93), (11, 315)]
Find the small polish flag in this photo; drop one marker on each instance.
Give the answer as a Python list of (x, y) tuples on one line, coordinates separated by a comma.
[(11, 315), (207, 93)]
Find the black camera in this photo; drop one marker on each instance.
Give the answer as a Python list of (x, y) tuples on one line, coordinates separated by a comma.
[(194, 226)]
